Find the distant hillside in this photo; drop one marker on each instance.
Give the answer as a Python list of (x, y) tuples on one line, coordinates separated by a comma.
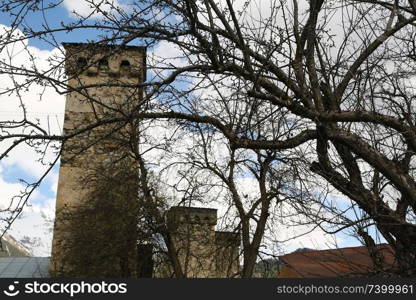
[(267, 268), (10, 247), (299, 250)]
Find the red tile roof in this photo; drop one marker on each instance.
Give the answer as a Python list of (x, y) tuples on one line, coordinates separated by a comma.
[(342, 262)]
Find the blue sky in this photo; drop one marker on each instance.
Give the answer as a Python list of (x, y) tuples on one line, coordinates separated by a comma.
[(61, 14)]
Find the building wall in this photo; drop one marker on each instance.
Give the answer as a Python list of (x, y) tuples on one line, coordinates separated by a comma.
[(192, 233), (287, 272), (97, 187), (201, 251), (227, 254)]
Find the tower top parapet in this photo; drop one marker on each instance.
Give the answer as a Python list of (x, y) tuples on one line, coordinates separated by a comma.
[(192, 215), (98, 60), (97, 46)]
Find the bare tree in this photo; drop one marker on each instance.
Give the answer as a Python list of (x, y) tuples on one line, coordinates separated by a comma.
[(249, 185), (348, 85)]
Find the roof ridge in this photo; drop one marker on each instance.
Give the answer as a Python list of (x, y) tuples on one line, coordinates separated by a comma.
[(334, 249)]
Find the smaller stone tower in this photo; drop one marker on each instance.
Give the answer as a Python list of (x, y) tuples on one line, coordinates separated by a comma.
[(201, 251)]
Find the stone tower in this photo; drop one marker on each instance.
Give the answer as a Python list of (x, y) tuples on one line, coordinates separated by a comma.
[(95, 227), (202, 252)]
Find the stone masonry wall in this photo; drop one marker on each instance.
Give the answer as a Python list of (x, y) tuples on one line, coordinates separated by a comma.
[(202, 251), (97, 187)]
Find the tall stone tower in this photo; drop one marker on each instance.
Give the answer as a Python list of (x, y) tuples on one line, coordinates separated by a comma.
[(201, 251), (95, 227)]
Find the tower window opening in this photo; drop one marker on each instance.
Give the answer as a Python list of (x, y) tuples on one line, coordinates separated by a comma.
[(103, 64), (81, 62), (125, 64)]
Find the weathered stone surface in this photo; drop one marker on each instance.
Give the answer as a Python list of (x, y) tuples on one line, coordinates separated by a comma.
[(227, 246), (202, 252), (97, 188)]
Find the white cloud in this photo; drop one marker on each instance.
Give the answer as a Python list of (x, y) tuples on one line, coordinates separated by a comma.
[(45, 107), (165, 58), (8, 191), (34, 228), (304, 236), (90, 8)]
